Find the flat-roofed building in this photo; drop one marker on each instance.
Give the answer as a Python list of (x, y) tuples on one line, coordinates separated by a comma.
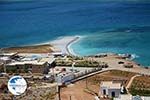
[(64, 77), (9, 54), (110, 89), (58, 54), (39, 65)]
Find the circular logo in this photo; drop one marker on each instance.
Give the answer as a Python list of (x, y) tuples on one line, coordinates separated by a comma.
[(17, 85)]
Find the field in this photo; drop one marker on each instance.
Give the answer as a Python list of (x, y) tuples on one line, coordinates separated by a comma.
[(114, 75), (30, 49), (140, 86)]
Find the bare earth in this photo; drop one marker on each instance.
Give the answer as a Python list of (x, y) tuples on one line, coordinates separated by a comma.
[(76, 92), (45, 48), (112, 61)]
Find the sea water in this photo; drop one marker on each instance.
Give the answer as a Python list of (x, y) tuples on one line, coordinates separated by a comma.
[(119, 26)]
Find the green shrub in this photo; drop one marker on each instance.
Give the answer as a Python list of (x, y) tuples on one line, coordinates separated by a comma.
[(141, 92)]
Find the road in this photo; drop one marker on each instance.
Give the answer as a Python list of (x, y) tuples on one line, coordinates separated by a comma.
[(130, 82)]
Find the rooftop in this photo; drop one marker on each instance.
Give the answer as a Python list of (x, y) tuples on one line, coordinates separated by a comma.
[(110, 85), (8, 54), (50, 59), (32, 59), (35, 62)]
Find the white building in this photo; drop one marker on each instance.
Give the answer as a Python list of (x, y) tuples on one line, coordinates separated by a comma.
[(110, 89), (64, 78), (140, 97), (130, 97)]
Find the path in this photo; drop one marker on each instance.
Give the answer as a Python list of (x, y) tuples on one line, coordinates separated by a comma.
[(130, 82)]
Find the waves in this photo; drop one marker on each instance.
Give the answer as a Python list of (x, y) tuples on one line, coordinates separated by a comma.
[(131, 29), (23, 5), (127, 40), (134, 56), (3, 2), (119, 27)]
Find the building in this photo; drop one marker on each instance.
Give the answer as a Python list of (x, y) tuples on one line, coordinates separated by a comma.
[(33, 64), (6, 58), (140, 97), (124, 97), (55, 71), (58, 54), (130, 97), (64, 77), (11, 55), (110, 89)]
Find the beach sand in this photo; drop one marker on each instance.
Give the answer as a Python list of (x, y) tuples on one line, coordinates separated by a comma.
[(62, 44), (113, 59)]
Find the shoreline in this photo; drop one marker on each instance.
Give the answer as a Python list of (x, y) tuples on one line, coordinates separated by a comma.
[(62, 44), (59, 45), (68, 47)]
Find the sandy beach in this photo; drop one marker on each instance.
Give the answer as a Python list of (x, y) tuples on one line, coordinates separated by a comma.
[(59, 45), (62, 44)]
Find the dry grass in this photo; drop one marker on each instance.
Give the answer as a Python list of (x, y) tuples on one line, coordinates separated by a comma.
[(140, 86), (114, 75), (142, 82), (121, 73), (30, 49)]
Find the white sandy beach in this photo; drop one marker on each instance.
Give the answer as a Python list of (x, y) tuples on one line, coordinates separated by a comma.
[(62, 44)]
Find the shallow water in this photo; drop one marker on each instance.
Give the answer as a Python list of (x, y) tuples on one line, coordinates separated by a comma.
[(112, 26)]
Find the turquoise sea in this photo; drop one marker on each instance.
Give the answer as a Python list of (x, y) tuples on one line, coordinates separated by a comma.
[(119, 26)]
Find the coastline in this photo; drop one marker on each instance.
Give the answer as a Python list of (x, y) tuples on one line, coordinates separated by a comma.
[(60, 44), (68, 47), (63, 44)]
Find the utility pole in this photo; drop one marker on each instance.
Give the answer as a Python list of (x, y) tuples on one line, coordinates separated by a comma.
[(86, 83), (70, 97), (59, 93)]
